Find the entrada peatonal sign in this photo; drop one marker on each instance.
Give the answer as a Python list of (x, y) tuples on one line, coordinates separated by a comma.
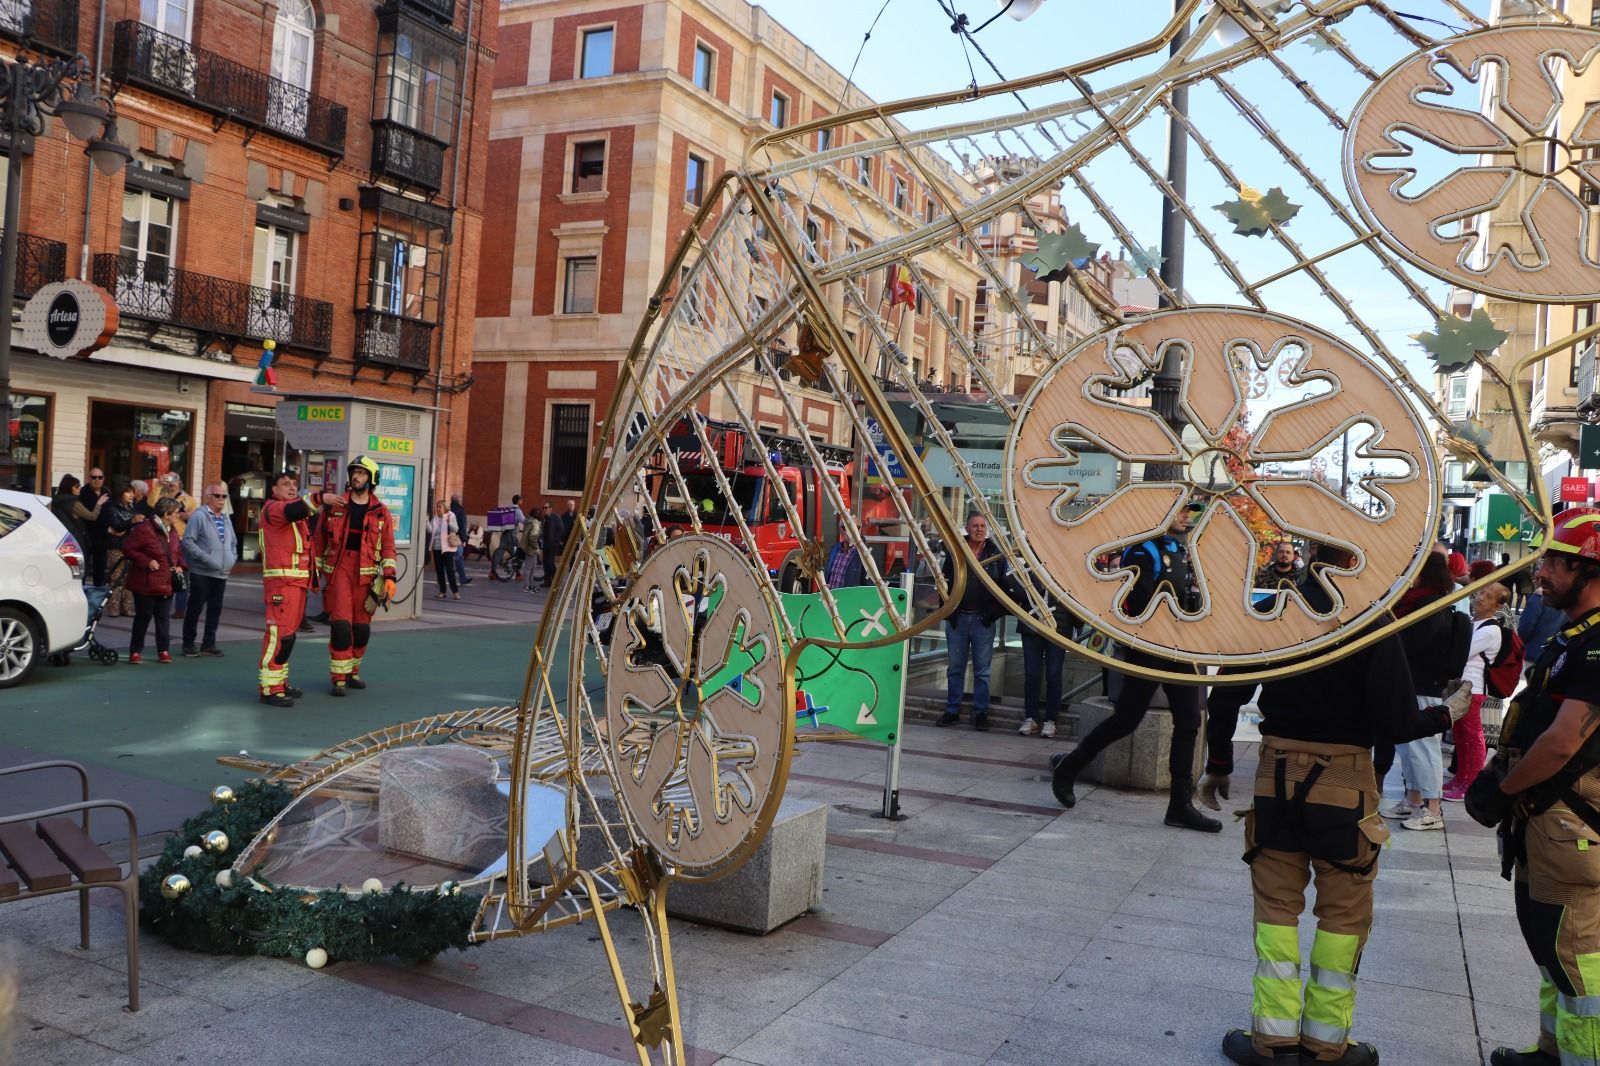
[(69, 318)]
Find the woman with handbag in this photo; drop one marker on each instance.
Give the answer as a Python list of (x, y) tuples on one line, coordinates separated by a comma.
[(443, 540), (156, 571)]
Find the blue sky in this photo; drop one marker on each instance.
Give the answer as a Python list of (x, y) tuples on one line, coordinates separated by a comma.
[(913, 52)]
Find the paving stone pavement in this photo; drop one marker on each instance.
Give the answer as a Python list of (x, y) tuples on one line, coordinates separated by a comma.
[(987, 927)]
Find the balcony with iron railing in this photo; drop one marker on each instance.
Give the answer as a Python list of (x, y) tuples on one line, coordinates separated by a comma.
[(215, 306), (150, 59), (392, 340), (406, 157), (443, 11), (50, 24), (39, 263)]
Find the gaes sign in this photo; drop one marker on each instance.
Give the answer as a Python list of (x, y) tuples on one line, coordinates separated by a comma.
[(69, 318)]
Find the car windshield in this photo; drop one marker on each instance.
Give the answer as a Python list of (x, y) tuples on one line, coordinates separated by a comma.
[(708, 500), (11, 518)]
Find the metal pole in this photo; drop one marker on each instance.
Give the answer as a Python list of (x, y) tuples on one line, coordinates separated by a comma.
[(1164, 386), (891, 781), (8, 260)]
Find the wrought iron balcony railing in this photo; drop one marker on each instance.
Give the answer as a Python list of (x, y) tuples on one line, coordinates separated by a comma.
[(39, 262), (405, 156), (214, 305), (393, 340), (146, 57), (442, 10), (50, 24)]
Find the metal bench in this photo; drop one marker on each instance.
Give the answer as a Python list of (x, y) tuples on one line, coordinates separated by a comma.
[(45, 852)]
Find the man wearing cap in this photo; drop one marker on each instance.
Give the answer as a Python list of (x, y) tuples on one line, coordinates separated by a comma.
[(1542, 792), (354, 545), (1162, 568)]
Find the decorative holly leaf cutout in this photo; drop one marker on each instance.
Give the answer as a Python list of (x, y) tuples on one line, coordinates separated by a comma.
[(1254, 213), (1144, 260), (1467, 434), (1325, 41), (1057, 251), (1459, 339)]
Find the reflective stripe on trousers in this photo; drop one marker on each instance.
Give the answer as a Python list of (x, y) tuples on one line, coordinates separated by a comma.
[(1331, 988), (1578, 1017), (1275, 989)]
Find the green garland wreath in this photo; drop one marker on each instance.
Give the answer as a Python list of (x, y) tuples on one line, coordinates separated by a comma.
[(243, 919)]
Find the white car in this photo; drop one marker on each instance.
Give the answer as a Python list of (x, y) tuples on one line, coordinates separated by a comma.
[(43, 609)]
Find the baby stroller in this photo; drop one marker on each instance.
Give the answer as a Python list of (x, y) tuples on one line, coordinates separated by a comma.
[(98, 652)]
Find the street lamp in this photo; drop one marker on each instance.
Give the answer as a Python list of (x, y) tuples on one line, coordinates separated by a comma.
[(28, 92)]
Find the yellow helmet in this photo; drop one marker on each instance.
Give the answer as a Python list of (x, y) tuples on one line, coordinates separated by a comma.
[(362, 462)]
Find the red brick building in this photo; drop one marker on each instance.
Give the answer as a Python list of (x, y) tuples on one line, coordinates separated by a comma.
[(309, 171)]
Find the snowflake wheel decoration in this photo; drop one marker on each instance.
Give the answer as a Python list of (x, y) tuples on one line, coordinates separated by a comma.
[(698, 721), (1227, 471), (1513, 159)]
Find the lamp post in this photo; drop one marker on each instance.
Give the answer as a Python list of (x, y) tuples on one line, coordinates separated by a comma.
[(29, 91)]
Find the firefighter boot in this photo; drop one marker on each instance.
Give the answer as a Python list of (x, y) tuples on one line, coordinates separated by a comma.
[(1238, 1046), (1063, 776), (1356, 1053), (1181, 811), (1504, 1056)]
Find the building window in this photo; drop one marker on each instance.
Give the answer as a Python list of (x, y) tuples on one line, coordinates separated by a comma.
[(140, 442), (597, 49), (418, 78), (778, 113), (824, 140), (403, 260), (30, 441), (705, 63), (293, 40), (272, 273), (567, 461), (694, 181), (1456, 396), (582, 275), (171, 17), (930, 211), (813, 247), (1583, 316), (864, 169), (900, 194), (589, 166), (148, 244)]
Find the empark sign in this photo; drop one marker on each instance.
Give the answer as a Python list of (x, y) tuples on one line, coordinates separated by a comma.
[(69, 318)]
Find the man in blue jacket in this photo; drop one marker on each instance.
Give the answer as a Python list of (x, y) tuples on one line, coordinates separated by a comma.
[(211, 548)]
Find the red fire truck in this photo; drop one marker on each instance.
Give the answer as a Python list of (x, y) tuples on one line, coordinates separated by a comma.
[(777, 542)]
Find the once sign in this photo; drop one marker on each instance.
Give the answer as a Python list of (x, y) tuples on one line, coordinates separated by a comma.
[(69, 318)]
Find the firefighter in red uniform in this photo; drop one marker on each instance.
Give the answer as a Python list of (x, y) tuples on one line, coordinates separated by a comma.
[(285, 579), (356, 562)]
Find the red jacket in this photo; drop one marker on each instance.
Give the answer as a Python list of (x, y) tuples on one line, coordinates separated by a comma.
[(377, 538), (286, 542), (145, 543)]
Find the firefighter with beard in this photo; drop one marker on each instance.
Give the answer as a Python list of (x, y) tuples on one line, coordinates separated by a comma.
[(1542, 791), (356, 561), (286, 545)]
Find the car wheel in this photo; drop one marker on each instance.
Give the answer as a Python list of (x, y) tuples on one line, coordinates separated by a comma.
[(20, 646)]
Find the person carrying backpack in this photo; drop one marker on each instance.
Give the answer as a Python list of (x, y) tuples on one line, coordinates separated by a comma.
[(1494, 665), (531, 535)]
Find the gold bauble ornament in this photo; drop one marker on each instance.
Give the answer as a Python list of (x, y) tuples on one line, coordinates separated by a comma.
[(316, 958), (192, 851), (215, 841), (224, 878), (174, 886), (222, 794), (371, 885)]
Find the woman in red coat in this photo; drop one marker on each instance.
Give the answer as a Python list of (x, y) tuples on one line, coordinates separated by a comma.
[(154, 555)]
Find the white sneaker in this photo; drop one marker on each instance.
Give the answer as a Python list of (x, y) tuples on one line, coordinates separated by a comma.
[(1048, 730), (1424, 819), (1028, 728), (1399, 810)]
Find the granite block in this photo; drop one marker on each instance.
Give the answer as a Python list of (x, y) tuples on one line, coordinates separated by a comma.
[(781, 880)]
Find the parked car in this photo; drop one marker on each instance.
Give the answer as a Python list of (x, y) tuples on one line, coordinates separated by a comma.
[(43, 609)]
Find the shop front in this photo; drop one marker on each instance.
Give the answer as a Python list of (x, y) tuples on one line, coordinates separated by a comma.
[(30, 415)]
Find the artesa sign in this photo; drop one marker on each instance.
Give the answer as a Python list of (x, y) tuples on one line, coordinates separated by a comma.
[(69, 318)]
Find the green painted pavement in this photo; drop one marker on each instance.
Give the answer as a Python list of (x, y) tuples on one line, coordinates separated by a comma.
[(169, 723)]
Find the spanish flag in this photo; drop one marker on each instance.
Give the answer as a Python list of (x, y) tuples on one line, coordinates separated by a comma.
[(901, 290)]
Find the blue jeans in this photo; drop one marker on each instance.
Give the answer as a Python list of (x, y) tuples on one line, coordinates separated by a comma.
[(461, 563), (968, 634), (1042, 661), (1422, 761)]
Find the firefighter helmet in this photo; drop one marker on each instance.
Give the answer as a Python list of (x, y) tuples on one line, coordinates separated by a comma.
[(362, 462), (1577, 532)]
